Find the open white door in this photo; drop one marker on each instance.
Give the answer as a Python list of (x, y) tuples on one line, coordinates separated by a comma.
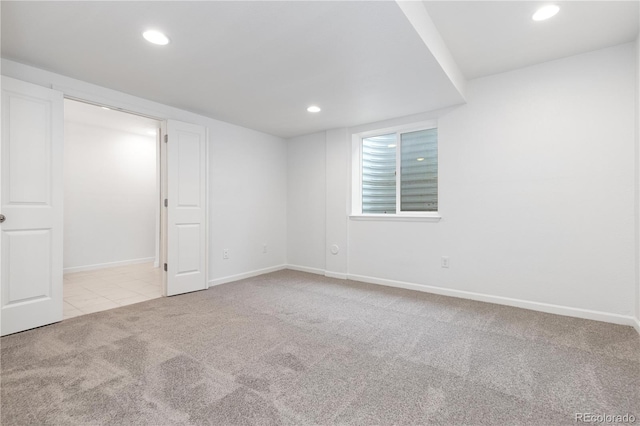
[(186, 242), (31, 201)]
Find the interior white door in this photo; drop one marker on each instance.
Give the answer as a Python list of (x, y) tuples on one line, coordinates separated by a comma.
[(186, 172), (31, 201)]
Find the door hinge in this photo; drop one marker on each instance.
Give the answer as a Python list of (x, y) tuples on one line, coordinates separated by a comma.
[(166, 202), (166, 138), (165, 267)]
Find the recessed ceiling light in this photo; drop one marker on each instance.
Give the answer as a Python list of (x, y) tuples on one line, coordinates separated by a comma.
[(314, 108), (545, 12), (155, 37), (420, 159)]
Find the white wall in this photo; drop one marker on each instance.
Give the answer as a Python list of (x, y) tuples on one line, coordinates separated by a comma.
[(637, 157), (247, 178), (337, 204), (110, 196), (306, 202), (248, 204), (317, 203), (536, 194)]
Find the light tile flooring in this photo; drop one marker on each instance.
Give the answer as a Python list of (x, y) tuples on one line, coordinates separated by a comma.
[(93, 291)]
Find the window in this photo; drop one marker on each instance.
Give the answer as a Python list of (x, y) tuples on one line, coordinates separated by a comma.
[(397, 173)]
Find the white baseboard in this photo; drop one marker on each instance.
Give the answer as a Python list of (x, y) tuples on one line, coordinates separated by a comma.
[(336, 275), (519, 303), (238, 277), (318, 271), (107, 265), (305, 269)]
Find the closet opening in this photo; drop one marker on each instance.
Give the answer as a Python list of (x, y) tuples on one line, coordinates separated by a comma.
[(112, 207)]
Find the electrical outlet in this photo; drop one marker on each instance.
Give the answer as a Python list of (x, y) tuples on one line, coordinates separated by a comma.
[(225, 253), (444, 261), (264, 248)]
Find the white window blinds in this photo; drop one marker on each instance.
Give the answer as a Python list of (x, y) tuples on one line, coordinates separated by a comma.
[(419, 171), (379, 174), (418, 177)]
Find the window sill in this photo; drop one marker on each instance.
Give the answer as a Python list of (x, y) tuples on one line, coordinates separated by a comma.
[(434, 217)]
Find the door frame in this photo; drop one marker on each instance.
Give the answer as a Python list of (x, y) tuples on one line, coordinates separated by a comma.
[(135, 109), (159, 170), (161, 179), (96, 95)]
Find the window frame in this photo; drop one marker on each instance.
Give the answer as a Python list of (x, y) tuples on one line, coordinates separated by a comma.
[(356, 175)]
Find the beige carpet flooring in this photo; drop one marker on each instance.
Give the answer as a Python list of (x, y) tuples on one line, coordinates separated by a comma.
[(292, 348)]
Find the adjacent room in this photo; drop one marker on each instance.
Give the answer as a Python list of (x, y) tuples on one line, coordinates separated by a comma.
[(112, 209), (320, 213)]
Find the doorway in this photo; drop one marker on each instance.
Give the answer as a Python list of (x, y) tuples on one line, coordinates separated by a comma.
[(112, 209), (32, 209)]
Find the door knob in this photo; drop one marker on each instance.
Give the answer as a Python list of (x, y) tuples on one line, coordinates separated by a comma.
[(2, 218)]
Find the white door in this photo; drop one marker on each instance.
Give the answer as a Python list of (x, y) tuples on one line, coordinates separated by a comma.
[(31, 201), (186, 243)]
